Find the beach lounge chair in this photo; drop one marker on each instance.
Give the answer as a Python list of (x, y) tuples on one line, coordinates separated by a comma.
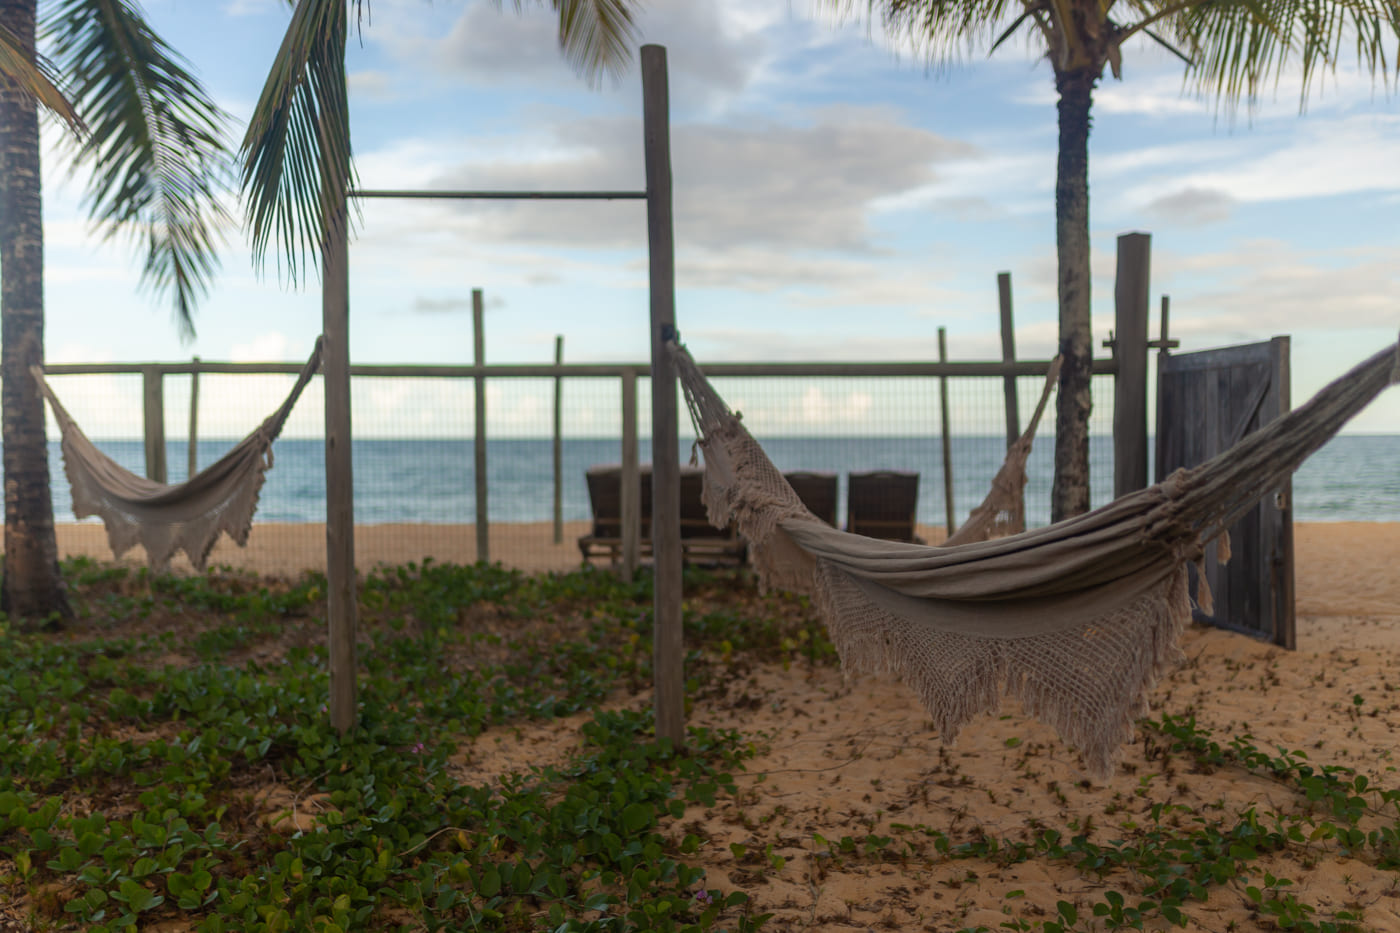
[(882, 504), (817, 492), (701, 542)]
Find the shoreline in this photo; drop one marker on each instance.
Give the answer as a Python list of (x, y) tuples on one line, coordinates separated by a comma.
[(1341, 568)]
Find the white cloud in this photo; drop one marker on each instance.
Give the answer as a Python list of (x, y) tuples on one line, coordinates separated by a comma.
[(1324, 157), (370, 83), (1269, 286), (744, 182), (1192, 206), (713, 50), (264, 348)]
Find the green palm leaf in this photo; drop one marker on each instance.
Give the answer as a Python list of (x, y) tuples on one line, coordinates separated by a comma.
[(595, 35), (296, 153), (36, 74), (159, 161)]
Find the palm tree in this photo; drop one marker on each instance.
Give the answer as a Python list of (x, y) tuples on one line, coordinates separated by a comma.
[(155, 144), (296, 155), (1231, 48)]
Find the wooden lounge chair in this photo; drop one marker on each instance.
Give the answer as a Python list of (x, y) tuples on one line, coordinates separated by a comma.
[(817, 491), (883, 504), (701, 542)]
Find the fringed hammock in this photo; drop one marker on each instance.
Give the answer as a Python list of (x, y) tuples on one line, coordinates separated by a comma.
[(165, 519), (1076, 620)]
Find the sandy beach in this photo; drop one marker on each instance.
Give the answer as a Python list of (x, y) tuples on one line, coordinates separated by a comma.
[(856, 758), (842, 757)]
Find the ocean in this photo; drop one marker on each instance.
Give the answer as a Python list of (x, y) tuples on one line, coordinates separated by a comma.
[(1353, 478)]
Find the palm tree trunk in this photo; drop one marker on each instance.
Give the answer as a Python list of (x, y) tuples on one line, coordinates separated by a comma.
[(32, 587), (1069, 494)]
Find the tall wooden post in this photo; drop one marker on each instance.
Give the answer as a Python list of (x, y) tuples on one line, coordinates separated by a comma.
[(631, 480), (1130, 298), (668, 661), (483, 521), (153, 397), (1008, 355), (559, 442), (340, 486), (192, 447), (1278, 566), (950, 515)]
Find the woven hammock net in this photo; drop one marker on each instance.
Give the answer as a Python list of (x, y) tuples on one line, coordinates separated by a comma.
[(166, 519), (1077, 620)]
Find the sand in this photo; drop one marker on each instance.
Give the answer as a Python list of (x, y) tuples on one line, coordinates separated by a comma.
[(856, 757), (289, 549)]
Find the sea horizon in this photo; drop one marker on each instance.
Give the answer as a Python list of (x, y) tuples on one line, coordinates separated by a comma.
[(1352, 478)]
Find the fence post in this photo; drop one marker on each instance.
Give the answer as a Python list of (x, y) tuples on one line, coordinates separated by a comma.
[(1008, 355), (949, 513), (340, 483), (483, 526), (668, 662), (631, 480), (558, 442), (154, 404), (1130, 299), (193, 444)]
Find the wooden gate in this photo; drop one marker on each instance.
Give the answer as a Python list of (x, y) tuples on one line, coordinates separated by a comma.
[(1206, 402)]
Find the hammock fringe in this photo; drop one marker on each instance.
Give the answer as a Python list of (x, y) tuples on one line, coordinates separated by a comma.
[(1078, 621)]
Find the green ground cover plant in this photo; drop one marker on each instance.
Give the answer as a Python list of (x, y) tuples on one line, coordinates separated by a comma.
[(133, 749), (167, 763)]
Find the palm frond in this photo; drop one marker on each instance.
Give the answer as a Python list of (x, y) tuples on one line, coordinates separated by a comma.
[(942, 30), (596, 36), (296, 154), (156, 149), (1241, 47), (36, 75)]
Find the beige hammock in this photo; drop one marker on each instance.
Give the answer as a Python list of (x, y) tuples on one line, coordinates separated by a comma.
[(186, 516), (1076, 620)]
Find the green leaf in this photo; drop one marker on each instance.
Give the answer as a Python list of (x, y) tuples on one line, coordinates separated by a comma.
[(159, 159), (490, 882), (637, 816)]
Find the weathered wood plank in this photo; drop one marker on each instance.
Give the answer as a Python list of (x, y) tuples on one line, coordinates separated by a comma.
[(669, 649), (1131, 297), (192, 448), (950, 515), (631, 481), (558, 442), (1208, 402), (483, 514), (340, 485), (1008, 356), (153, 403)]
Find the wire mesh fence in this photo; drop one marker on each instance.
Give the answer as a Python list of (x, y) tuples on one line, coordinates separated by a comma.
[(414, 453)]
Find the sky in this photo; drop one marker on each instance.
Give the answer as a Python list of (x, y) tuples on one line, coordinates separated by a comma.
[(836, 198)]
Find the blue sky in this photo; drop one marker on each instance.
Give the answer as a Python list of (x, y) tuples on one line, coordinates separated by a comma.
[(835, 199)]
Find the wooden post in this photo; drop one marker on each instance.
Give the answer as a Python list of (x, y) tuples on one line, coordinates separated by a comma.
[(1008, 355), (483, 521), (1278, 566), (559, 442), (340, 485), (668, 662), (154, 398), (193, 444), (631, 480), (1130, 300), (950, 519), (1164, 342)]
